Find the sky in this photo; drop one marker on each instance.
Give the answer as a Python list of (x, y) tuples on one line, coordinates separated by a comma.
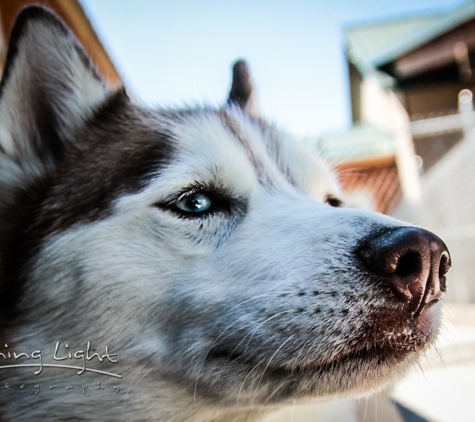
[(180, 52)]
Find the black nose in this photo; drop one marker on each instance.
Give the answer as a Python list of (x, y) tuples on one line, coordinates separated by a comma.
[(412, 261)]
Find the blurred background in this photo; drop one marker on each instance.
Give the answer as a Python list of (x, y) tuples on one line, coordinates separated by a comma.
[(382, 89)]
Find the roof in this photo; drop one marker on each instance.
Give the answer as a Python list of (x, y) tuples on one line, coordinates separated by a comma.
[(360, 142), (373, 186), (372, 45), (76, 19), (364, 158)]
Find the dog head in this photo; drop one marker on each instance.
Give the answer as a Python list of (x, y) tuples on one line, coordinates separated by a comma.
[(209, 249)]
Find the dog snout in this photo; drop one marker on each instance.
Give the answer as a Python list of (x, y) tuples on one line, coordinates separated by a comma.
[(412, 261)]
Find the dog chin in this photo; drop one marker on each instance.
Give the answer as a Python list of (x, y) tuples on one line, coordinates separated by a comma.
[(358, 368)]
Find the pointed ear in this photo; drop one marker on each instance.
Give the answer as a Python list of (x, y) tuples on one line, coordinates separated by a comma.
[(242, 89), (48, 89)]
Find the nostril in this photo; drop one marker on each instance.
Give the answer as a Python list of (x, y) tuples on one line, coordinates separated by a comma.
[(411, 261), (409, 264), (444, 265)]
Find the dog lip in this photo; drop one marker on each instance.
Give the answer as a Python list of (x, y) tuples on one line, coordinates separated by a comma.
[(219, 354), (377, 353), (388, 333), (394, 348), (374, 353)]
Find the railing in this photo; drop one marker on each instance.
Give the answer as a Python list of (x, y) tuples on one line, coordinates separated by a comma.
[(437, 125), (448, 199)]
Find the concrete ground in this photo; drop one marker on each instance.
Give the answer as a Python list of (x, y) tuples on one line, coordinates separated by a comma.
[(442, 388)]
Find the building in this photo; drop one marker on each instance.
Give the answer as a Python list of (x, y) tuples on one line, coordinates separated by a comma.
[(411, 150)]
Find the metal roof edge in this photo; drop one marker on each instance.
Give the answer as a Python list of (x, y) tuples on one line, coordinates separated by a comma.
[(358, 142), (460, 15), (364, 66)]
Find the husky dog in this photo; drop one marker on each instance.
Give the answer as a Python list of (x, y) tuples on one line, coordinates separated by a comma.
[(202, 255)]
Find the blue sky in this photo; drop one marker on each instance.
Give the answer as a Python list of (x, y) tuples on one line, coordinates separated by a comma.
[(179, 52)]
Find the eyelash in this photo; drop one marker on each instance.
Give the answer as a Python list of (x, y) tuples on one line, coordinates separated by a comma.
[(218, 202)]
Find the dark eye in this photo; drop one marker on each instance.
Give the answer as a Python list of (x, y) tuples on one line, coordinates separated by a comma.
[(194, 203), (333, 202)]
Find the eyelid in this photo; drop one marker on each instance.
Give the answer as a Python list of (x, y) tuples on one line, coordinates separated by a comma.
[(185, 194), (223, 201), (333, 201), (181, 194), (220, 202)]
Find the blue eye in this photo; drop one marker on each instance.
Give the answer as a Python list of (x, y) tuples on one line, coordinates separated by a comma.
[(194, 203)]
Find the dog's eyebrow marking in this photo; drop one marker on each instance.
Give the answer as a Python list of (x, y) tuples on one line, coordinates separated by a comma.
[(232, 125), (272, 151), (280, 160)]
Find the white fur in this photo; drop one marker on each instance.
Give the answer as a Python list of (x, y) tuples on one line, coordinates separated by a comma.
[(74, 106)]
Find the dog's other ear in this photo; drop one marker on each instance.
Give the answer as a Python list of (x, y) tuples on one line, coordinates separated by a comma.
[(48, 89), (242, 91)]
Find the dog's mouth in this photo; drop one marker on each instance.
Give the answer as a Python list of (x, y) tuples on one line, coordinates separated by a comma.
[(387, 352), (265, 380), (360, 351), (355, 364), (390, 351)]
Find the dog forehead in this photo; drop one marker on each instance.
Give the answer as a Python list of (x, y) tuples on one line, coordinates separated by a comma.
[(302, 165), (238, 150), (207, 151)]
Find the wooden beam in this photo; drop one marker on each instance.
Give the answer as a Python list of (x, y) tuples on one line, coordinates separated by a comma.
[(436, 53)]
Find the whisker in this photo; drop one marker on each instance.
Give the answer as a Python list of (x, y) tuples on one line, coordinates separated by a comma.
[(251, 333), (268, 363), (215, 342), (222, 338), (245, 379), (292, 413), (365, 409), (310, 230), (263, 322), (133, 384), (270, 396), (441, 357), (253, 298)]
